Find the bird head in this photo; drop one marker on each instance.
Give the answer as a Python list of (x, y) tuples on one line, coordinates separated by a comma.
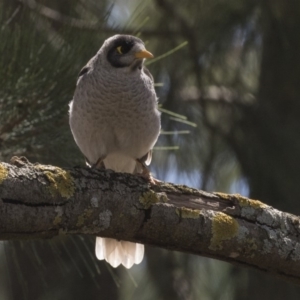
[(123, 51)]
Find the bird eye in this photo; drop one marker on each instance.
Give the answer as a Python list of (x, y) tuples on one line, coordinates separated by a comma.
[(119, 50)]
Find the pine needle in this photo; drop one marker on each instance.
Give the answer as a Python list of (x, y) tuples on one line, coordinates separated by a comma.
[(175, 132), (167, 53), (140, 26), (184, 121), (166, 148), (171, 113)]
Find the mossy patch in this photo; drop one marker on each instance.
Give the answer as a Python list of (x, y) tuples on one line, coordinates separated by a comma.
[(251, 246), (186, 189), (243, 201), (169, 186), (224, 196), (57, 220), (187, 213), (246, 202), (3, 173), (150, 198), (83, 217), (224, 228), (61, 181)]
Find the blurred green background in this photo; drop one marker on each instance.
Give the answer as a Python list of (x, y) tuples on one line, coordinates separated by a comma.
[(230, 98)]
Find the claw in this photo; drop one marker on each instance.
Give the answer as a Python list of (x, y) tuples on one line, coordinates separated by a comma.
[(99, 164), (147, 175)]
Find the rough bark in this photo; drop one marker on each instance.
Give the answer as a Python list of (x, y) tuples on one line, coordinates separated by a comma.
[(39, 201)]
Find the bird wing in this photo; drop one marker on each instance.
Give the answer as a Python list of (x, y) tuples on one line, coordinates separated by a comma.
[(83, 71)]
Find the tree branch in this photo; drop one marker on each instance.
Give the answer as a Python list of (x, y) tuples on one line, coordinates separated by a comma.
[(39, 201)]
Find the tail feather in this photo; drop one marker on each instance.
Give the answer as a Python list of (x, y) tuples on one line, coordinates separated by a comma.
[(113, 251), (119, 252)]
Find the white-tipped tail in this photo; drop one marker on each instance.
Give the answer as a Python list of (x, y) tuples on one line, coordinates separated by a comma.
[(119, 252)]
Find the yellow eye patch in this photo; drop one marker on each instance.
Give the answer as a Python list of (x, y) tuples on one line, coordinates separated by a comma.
[(119, 50)]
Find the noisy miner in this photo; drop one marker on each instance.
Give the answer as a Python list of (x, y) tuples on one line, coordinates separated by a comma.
[(115, 122)]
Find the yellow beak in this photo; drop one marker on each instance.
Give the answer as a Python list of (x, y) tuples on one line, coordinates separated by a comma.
[(144, 54)]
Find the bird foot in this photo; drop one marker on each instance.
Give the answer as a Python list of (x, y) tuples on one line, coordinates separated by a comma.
[(99, 164), (147, 175)]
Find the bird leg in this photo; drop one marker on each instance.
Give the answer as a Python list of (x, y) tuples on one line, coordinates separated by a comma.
[(146, 173), (99, 164)]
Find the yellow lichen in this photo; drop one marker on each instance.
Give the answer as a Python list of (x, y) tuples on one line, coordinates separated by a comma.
[(246, 202), (61, 181), (57, 220), (243, 201), (187, 213), (249, 247), (162, 197), (169, 186), (149, 198), (185, 189), (82, 218), (224, 196), (3, 173), (257, 204), (224, 228)]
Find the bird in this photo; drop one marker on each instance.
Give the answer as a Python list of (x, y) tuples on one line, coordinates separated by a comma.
[(115, 122)]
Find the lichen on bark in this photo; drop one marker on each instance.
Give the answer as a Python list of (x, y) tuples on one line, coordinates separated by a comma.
[(224, 227)]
